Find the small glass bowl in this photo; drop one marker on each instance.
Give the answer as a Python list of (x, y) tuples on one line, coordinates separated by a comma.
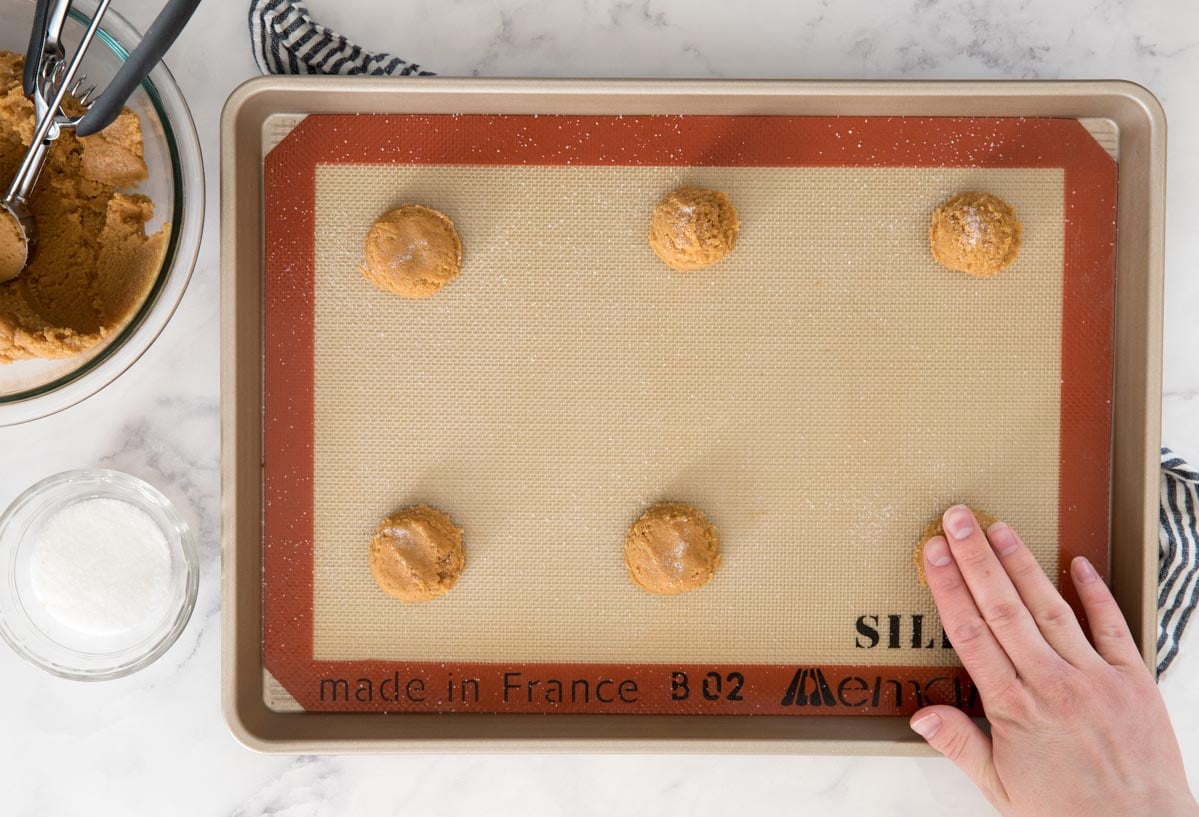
[(40, 638)]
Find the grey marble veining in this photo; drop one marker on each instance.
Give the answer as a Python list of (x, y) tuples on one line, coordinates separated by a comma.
[(155, 743)]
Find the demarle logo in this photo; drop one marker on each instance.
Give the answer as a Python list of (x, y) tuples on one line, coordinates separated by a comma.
[(811, 687), (820, 694)]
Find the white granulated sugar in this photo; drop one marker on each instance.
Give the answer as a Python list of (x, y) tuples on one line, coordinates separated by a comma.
[(974, 226), (419, 245), (101, 567)]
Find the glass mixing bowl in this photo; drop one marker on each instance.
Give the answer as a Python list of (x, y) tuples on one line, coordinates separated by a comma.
[(35, 388)]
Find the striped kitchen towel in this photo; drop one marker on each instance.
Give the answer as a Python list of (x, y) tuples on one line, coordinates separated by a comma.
[(286, 40), (1178, 554)]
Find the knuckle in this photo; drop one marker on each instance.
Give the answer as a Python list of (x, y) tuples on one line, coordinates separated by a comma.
[(955, 744), (1061, 699), (1004, 612), (1112, 631), (967, 631), (1061, 695), (1009, 701), (972, 555), (1115, 691), (951, 584), (1026, 568), (1055, 616), (1099, 602)]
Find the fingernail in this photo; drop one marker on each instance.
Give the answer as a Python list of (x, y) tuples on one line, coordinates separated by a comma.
[(926, 726), (936, 551), (959, 522), (1084, 570), (1002, 538)]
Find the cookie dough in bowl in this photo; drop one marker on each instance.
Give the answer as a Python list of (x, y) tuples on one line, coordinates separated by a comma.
[(693, 228), (417, 554), (671, 549), (106, 278), (95, 262), (412, 251)]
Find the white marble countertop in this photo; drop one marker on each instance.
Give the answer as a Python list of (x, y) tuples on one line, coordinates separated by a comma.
[(155, 743)]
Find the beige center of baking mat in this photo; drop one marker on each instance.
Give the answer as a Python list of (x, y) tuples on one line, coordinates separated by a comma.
[(820, 395)]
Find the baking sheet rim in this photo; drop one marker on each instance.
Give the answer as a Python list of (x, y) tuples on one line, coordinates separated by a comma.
[(1139, 291)]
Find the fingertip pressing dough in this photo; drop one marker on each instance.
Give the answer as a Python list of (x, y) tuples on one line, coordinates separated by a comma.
[(693, 228), (934, 528), (412, 251), (417, 554), (975, 233), (671, 549)]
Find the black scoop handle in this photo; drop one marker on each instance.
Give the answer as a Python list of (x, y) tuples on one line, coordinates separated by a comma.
[(37, 37), (160, 36)]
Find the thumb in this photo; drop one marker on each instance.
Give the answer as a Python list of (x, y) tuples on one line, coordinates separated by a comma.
[(951, 732)]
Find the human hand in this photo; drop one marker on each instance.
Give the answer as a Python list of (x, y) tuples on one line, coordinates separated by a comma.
[(1076, 729)]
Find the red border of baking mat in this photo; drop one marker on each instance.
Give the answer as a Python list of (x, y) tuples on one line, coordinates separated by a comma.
[(687, 141)]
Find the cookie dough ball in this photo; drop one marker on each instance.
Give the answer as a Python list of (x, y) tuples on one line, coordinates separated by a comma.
[(693, 228), (13, 251), (671, 549), (412, 251), (417, 554), (934, 528), (975, 233)]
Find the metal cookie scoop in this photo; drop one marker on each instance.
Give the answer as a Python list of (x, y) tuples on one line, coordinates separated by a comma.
[(18, 232), (48, 78), (52, 79)]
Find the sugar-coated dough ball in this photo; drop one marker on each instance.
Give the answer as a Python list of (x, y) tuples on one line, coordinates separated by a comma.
[(671, 549), (976, 233), (417, 554), (412, 251), (693, 228), (934, 528)]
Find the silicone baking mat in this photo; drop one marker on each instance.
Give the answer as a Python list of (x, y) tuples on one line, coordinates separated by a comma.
[(820, 395)]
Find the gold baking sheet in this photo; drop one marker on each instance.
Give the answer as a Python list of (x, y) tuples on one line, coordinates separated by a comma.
[(1132, 128)]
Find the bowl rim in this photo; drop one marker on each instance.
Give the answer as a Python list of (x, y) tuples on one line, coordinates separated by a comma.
[(179, 260), (181, 540)]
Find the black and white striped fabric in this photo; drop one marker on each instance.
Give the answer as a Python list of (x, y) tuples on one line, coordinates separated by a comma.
[(1178, 554), (286, 40)]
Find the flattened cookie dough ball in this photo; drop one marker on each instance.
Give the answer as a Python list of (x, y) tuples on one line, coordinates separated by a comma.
[(671, 549), (412, 251), (693, 228), (975, 233), (417, 554), (934, 528)]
